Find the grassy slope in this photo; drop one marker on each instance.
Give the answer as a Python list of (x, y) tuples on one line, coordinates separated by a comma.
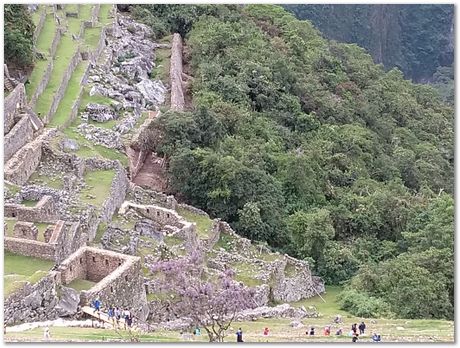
[(19, 269), (203, 223), (66, 49), (71, 94), (99, 182)]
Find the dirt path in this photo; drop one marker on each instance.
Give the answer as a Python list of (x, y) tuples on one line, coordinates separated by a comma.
[(152, 174)]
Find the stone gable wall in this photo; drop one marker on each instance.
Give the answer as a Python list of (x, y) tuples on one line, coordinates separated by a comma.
[(21, 166), (19, 135), (25, 230)]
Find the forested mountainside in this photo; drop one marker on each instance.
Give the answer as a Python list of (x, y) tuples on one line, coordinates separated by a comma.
[(417, 39), (308, 145)]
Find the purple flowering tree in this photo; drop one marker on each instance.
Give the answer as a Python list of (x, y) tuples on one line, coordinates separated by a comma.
[(211, 303)]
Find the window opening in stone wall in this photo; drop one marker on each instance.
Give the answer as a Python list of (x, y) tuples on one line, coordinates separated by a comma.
[(167, 215), (70, 268), (106, 262), (13, 214), (111, 289), (148, 211), (126, 278), (81, 260), (158, 213), (94, 259), (119, 263)]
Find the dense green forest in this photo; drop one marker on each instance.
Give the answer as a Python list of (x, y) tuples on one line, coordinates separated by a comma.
[(417, 39), (18, 36), (308, 145)]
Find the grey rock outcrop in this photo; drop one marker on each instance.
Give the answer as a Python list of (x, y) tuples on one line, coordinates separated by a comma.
[(68, 303), (100, 112)]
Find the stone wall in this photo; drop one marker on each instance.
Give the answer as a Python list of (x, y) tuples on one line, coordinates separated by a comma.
[(118, 276), (39, 26), (117, 194), (13, 103), (29, 247), (25, 230), (20, 134), (63, 86), (175, 72), (55, 42), (44, 211), (297, 287), (33, 302), (42, 85), (142, 196)]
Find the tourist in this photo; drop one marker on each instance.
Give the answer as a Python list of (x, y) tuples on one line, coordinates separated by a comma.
[(339, 332), (312, 331), (97, 305), (129, 321), (327, 330), (111, 314), (376, 337), (354, 328), (117, 314), (355, 338), (239, 335), (197, 331), (338, 319), (126, 315), (362, 327), (266, 331), (46, 333)]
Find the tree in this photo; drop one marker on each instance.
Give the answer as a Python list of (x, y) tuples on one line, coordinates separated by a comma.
[(210, 303), (310, 231), (19, 31)]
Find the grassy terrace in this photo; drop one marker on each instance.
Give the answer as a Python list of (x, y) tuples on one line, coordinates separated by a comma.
[(10, 222), (44, 40), (19, 269), (66, 49), (203, 223), (92, 36), (104, 12), (85, 11), (80, 284), (99, 182), (71, 94), (53, 182)]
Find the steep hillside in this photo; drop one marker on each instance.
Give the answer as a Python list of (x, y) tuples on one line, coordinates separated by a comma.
[(417, 39), (306, 144)]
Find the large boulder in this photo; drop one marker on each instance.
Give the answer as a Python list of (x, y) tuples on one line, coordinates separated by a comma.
[(68, 303), (153, 91)]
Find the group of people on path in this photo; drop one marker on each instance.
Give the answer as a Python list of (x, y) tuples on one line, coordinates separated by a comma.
[(353, 332), (115, 314)]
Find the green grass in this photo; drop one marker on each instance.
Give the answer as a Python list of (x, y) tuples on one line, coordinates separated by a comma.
[(66, 49), (29, 203), (37, 14), (19, 269), (92, 36), (51, 181), (74, 25), (329, 308), (71, 94), (123, 223), (71, 8), (99, 182), (86, 99), (37, 75), (13, 188), (104, 14), (85, 11), (245, 273), (80, 284), (45, 38), (172, 240), (162, 63), (203, 223), (225, 242), (101, 228), (88, 150), (41, 230), (79, 334)]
